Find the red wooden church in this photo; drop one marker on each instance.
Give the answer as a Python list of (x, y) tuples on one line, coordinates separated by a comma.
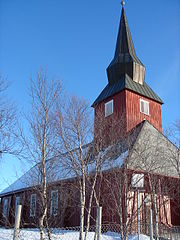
[(132, 139)]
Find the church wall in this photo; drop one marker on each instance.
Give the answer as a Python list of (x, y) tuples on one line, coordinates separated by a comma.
[(109, 129), (68, 210), (70, 216), (126, 115), (111, 194), (175, 204), (119, 106), (134, 116), (175, 209)]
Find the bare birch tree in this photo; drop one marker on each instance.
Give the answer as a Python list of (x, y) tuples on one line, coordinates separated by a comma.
[(151, 155), (40, 142), (75, 130), (174, 134), (7, 121), (86, 160), (156, 156)]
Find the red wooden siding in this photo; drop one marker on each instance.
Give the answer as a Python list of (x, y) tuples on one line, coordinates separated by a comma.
[(114, 126), (125, 117), (119, 105), (134, 116), (68, 214)]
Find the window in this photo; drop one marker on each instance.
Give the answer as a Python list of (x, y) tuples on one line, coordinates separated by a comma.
[(137, 180), (108, 108), (144, 107), (5, 207), (54, 203), (33, 205), (17, 202)]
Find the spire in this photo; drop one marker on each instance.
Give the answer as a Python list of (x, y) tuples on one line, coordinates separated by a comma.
[(124, 42), (125, 60)]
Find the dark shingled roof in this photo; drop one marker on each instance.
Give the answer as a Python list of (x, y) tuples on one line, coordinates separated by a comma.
[(127, 83), (124, 44)]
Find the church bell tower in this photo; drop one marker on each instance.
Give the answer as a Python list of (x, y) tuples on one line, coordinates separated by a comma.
[(127, 99)]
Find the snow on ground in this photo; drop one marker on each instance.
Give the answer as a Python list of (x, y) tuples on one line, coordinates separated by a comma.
[(33, 234)]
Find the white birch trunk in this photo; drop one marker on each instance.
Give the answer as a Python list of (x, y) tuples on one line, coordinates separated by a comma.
[(125, 212), (43, 184), (90, 205), (44, 211), (156, 218), (83, 192), (17, 222)]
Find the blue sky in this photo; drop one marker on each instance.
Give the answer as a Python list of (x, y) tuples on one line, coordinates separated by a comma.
[(75, 41)]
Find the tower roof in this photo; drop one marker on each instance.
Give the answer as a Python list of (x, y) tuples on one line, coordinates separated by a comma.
[(124, 44), (125, 60), (126, 71), (126, 83)]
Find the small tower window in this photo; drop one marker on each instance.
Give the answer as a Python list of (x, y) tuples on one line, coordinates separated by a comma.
[(144, 107), (108, 108)]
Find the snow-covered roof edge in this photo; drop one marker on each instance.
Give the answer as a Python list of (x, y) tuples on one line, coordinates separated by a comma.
[(25, 181)]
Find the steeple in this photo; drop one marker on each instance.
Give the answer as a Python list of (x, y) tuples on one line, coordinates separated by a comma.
[(127, 99), (125, 60)]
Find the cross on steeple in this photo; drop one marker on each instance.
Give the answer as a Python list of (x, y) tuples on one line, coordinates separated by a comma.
[(122, 3)]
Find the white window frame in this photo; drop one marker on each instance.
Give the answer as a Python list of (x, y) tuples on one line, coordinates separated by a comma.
[(137, 180), (147, 105), (5, 209), (17, 202), (106, 108), (33, 207), (54, 209)]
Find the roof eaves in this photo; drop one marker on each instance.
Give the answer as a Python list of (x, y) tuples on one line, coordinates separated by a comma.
[(143, 90)]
